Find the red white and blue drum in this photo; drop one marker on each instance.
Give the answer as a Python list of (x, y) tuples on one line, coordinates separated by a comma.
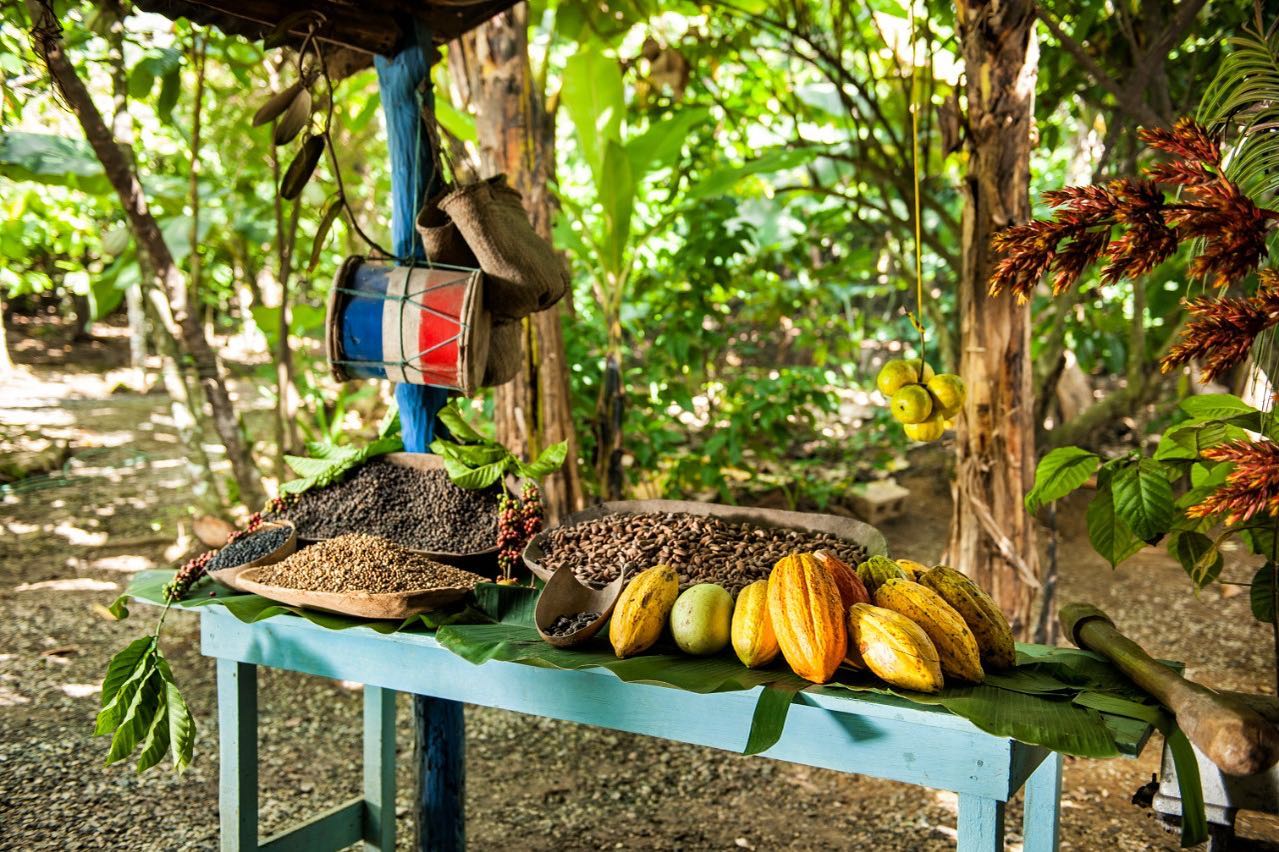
[(425, 325)]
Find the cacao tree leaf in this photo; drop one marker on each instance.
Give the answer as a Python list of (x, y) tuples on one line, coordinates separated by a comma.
[(549, 461), (181, 727), (1260, 540), (1198, 555), (473, 479), (302, 167), (1143, 498), (125, 665), (156, 743), (458, 427), (332, 210), (137, 717), (1110, 535), (1263, 593), (1059, 473)]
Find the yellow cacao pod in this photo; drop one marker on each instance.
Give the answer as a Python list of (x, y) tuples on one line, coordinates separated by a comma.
[(956, 646), (994, 636), (753, 637), (895, 648), (807, 616), (642, 609), (874, 571), (911, 568)]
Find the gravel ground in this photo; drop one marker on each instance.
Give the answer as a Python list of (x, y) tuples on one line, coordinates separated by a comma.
[(68, 546)]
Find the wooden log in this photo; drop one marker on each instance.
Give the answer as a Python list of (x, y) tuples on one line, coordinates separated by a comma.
[(1229, 733)]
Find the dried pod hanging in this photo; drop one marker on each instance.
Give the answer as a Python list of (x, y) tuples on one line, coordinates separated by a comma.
[(275, 107), (303, 165), (295, 118)]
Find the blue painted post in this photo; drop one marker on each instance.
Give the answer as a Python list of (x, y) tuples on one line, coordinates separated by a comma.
[(379, 769), (404, 81), (981, 824), (1042, 818), (238, 755)]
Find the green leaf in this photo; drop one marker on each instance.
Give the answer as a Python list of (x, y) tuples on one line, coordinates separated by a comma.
[(458, 427), (459, 124), (181, 727), (125, 666), (137, 717), (549, 461), (119, 608), (156, 744), (310, 468), (1216, 406), (769, 718), (1143, 498), (1194, 821), (53, 160), (1059, 473), (616, 191), (1198, 555), (721, 180), (658, 146), (594, 96), (1109, 534), (1263, 593), (473, 478), (170, 89)]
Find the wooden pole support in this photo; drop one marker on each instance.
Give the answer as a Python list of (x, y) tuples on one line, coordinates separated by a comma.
[(404, 81), (1230, 734)]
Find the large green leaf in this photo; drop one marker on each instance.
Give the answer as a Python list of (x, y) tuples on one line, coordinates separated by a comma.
[(661, 143), (1216, 406), (1110, 534), (593, 95), (1198, 555), (721, 180), (1143, 498), (1263, 593), (616, 189), (50, 159), (1059, 473)]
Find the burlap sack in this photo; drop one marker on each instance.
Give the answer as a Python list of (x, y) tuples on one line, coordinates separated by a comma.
[(441, 239), (506, 354), (522, 270)]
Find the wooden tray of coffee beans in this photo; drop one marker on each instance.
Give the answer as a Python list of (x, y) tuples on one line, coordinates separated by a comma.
[(705, 542)]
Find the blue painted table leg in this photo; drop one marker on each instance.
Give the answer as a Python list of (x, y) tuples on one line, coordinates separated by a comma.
[(1041, 823), (238, 747), (379, 769), (441, 759), (981, 824)]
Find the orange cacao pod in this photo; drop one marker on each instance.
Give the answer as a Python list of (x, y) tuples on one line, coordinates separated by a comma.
[(808, 618), (851, 588)]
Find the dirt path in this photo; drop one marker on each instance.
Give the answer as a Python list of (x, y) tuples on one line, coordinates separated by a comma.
[(70, 541)]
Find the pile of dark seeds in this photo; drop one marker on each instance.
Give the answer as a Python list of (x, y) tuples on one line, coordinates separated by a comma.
[(363, 563), (702, 549), (566, 625), (249, 547), (420, 509)]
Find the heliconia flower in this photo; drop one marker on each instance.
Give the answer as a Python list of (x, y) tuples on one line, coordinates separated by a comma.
[(1221, 331), (1252, 486)]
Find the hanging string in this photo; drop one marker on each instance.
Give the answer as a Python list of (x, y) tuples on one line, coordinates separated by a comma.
[(917, 319)]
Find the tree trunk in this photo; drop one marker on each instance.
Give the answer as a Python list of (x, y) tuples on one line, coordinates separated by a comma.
[(6, 363), (991, 536), (122, 132), (150, 242), (517, 137)]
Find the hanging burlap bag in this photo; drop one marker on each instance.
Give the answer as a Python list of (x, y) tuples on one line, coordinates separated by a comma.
[(506, 355), (440, 236), (522, 270)]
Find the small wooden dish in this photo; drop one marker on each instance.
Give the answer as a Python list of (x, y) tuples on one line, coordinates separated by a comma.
[(380, 606), (564, 595), (231, 576)]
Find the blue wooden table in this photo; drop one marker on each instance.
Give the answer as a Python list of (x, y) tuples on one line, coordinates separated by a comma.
[(828, 728)]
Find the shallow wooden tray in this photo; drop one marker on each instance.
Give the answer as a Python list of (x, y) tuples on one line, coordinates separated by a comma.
[(230, 576), (389, 605), (848, 529), (482, 562)]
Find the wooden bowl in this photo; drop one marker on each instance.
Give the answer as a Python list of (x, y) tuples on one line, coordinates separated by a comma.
[(231, 576), (381, 606), (564, 595)]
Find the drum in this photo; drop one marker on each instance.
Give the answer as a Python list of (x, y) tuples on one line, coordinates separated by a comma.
[(425, 325)]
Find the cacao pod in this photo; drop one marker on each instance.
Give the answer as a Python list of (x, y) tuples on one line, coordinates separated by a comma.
[(895, 648), (753, 637), (808, 617), (994, 636), (911, 568), (642, 609), (851, 588), (874, 571), (956, 646), (701, 619)]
